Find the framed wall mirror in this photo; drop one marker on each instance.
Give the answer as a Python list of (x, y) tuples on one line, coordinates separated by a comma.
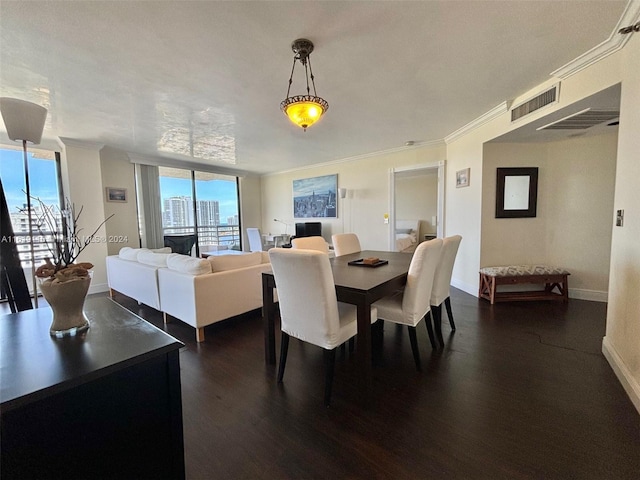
[(516, 192)]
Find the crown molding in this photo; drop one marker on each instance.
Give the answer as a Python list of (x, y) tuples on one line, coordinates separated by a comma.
[(478, 122), (611, 45), (71, 142), (417, 145)]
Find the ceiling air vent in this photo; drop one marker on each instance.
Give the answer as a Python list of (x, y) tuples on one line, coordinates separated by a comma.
[(536, 103), (582, 120)]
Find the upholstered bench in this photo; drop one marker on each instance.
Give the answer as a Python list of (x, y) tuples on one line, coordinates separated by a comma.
[(552, 277)]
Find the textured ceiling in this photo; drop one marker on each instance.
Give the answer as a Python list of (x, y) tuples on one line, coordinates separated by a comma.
[(202, 81)]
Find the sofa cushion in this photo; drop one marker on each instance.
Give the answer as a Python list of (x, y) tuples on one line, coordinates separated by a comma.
[(154, 259), (221, 263), (186, 264), (128, 253)]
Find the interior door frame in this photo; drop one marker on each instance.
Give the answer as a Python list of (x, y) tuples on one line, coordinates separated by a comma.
[(440, 167)]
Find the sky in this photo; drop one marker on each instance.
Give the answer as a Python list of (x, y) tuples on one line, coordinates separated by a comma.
[(42, 175)]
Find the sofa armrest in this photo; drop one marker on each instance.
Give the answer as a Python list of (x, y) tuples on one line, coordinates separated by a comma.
[(134, 279)]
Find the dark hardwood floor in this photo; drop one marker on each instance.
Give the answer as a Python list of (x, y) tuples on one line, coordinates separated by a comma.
[(520, 391)]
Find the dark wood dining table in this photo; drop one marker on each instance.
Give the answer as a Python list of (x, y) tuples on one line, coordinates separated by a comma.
[(357, 285)]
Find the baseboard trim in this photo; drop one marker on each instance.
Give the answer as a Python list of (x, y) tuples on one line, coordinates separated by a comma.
[(465, 287), (630, 384), (98, 288), (592, 295)]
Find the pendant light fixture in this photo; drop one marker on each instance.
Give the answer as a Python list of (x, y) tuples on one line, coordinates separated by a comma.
[(303, 110)]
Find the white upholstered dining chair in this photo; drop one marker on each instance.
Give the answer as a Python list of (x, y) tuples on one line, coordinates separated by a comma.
[(309, 309), (410, 305), (345, 243), (311, 243), (441, 290)]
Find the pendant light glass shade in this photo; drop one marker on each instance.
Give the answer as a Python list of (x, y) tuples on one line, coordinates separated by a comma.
[(303, 110)]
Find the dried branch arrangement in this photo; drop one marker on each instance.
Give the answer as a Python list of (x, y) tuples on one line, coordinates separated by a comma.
[(60, 233)]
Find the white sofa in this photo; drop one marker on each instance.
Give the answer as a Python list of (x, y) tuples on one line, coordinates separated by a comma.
[(197, 291), (125, 274), (233, 287)]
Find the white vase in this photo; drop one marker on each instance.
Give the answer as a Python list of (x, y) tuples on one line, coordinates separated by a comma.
[(67, 301)]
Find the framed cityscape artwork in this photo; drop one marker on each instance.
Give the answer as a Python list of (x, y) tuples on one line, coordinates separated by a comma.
[(116, 195), (315, 197)]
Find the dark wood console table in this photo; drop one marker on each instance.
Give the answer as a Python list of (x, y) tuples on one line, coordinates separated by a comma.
[(104, 404)]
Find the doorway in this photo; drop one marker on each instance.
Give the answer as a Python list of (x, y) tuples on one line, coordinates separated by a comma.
[(416, 205)]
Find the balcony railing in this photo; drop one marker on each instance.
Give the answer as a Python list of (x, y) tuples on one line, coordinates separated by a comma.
[(40, 249), (210, 236)]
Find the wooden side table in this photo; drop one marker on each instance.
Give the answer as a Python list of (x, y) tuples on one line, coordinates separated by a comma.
[(104, 404)]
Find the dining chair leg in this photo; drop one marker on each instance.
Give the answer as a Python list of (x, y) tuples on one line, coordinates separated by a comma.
[(413, 338), (329, 367), (437, 323), (427, 322), (447, 304), (284, 348)]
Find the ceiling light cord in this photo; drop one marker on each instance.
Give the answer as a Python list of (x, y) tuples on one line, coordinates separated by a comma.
[(291, 77), (313, 81)]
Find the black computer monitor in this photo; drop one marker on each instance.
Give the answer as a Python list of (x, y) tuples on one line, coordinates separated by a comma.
[(309, 229), (314, 229)]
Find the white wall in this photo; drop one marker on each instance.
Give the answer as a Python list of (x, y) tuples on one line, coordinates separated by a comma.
[(581, 191), (250, 206), (367, 182), (82, 184), (507, 241), (122, 229), (572, 228), (621, 345)]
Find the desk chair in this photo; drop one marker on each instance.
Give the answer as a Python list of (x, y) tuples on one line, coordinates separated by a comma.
[(255, 240), (309, 309), (410, 305), (180, 243), (345, 243)]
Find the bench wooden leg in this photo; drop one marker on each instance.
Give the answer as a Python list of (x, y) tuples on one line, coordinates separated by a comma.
[(492, 289)]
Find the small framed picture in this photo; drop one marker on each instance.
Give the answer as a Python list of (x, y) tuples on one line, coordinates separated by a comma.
[(462, 178), (116, 195)]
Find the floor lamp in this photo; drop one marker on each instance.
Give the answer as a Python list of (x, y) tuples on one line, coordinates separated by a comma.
[(343, 194), (24, 122)]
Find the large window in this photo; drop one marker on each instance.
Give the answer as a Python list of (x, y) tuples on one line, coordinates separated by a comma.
[(201, 203), (43, 184)]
